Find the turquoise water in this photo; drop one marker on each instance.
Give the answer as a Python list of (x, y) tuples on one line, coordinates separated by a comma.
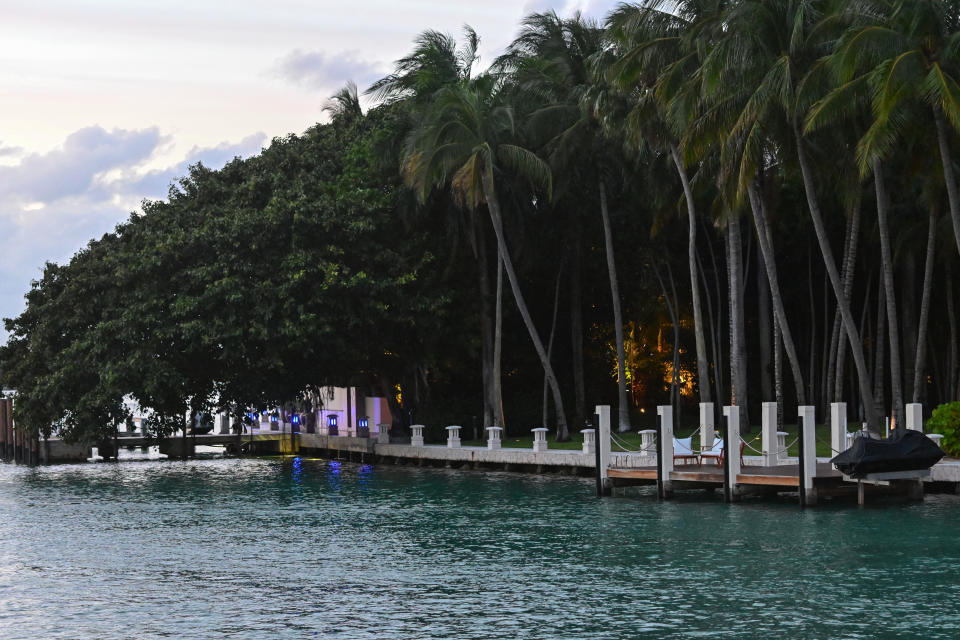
[(247, 548)]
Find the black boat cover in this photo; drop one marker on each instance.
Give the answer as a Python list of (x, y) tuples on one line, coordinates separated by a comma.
[(904, 450)]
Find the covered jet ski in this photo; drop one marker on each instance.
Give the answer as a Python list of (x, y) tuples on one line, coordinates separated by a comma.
[(904, 450)]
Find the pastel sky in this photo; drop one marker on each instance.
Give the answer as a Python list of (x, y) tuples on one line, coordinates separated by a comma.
[(104, 102)]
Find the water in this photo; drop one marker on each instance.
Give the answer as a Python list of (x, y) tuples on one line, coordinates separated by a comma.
[(239, 548)]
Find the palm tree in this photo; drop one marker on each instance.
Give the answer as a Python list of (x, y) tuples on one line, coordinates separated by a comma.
[(774, 45), (654, 49), (437, 62), (345, 103), (550, 60), (465, 141), (911, 48)]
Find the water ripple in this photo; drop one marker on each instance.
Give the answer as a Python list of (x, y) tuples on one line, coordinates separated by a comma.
[(309, 549)]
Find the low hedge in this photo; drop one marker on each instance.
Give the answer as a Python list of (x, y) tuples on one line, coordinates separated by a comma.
[(945, 419)]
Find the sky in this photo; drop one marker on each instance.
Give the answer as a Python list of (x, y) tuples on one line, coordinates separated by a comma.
[(103, 103)]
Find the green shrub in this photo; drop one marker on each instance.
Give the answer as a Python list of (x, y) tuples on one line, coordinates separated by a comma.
[(945, 419)]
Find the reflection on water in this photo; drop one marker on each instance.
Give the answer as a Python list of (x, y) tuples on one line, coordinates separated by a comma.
[(306, 548)]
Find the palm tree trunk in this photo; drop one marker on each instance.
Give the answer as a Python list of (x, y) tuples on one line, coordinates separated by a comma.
[(879, 388), (738, 387), (703, 369), (893, 322), (714, 342), (839, 345), (863, 375), (952, 320), (718, 367), (553, 330), (948, 177), (497, 392), (778, 370), (764, 236), (764, 330), (670, 302), (493, 205), (479, 247), (812, 349), (921, 357), (576, 324), (624, 408)]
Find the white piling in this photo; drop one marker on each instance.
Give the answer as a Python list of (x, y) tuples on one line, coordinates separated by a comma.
[(768, 433), (838, 427), (731, 454), (603, 443), (707, 425), (915, 416), (665, 444), (807, 417)]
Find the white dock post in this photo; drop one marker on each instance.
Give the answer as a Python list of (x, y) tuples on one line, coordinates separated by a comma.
[(838, 427), (539, 439), (915, 416), (493, 437), (603, 445), (648, 447), (782, 447), (416, 437), (589, 440), (707, 426), (383, 433), (731, 453), (665, 447), (768, 434), (808, 463), (453, 436)]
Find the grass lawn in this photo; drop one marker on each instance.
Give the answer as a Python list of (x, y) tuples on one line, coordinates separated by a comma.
[(632, 439)]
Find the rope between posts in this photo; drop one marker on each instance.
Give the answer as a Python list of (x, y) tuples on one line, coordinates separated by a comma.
[(747, 444), (828, 445), (777, 452), (695, 432), (623, 444)]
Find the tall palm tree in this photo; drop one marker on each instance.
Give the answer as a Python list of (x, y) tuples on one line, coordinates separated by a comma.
[(438, 62), (774, 46), (551, 60), (911, 48), (654, 53), (345, 103), (465, 141)]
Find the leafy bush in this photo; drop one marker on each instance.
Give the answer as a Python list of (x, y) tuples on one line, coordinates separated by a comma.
[(945, 419)]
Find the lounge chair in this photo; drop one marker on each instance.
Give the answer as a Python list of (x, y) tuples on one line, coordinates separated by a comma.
[(714, 453), (718, 453), (683, 451)]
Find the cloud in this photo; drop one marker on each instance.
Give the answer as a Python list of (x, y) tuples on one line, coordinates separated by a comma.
[(72, 169), (52, 204), (9, 151), (322, 71), (597, 9), (543, 6)]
